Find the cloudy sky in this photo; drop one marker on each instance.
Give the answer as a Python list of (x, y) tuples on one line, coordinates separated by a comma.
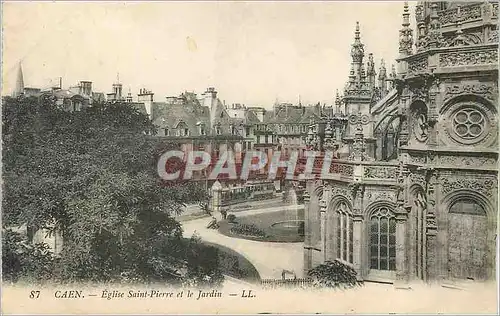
[(252, 53)]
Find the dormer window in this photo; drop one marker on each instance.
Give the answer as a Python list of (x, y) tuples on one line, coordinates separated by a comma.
[(182, 129), (233, 130), (218, 130), (166, 131)]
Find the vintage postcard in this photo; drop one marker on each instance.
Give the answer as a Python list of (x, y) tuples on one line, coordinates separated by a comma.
[(220, 157)]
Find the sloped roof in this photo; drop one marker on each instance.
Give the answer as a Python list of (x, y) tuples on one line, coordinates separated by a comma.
[(171, 114), (251, 117)]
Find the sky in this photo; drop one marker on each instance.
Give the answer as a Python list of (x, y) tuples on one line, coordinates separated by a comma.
[(254, 53)]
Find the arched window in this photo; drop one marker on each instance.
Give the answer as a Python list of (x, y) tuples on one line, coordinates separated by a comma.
[(383, 239), (467, 240), (344, 228), (467, 206)]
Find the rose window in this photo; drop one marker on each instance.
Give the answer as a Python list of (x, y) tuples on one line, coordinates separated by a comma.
[(468, 124)]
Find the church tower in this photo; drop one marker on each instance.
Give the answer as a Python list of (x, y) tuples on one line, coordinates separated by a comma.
[(19, 90), (358, 93)]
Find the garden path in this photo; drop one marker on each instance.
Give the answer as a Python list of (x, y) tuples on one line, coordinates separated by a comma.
[(269, 258)]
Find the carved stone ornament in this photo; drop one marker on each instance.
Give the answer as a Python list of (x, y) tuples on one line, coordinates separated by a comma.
[(464, 40), (417, 178), (493, 37), (342, 191), (381, 196), (421, 126), (418, 65), (467, 161), (381, 172), (484, 90), (480, 57), (467, 13), (484, 186), (418, 159)]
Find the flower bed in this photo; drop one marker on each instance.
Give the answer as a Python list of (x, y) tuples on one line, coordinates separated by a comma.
[(247, 230)]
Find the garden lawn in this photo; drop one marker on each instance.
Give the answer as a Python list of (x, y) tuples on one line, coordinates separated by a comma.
[(235, 265), (263, 222)]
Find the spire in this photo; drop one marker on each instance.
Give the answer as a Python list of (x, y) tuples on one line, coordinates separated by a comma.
[(337, 101), (19, 90), (382, 77), (406, 34), (393, 71), (370, 65), (370, 71), (357, 50), (359, 146), (382, 72), (435, 35)]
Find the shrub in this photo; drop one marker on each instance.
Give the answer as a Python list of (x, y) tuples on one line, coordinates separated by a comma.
[(24, 261), (231, 218), (248, 230), (334, 275)]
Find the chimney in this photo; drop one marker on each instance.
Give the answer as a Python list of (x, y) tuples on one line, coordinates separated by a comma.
[(147, 97)]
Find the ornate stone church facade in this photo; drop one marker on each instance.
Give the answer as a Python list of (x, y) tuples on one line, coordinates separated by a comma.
[(414, 194)]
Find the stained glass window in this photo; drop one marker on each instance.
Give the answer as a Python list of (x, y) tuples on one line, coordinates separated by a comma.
[(383, 240)]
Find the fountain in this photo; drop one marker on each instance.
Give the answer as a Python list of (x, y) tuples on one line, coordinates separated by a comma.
[(292, 223)]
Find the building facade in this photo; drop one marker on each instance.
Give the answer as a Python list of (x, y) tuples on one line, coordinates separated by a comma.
[(414, 195)]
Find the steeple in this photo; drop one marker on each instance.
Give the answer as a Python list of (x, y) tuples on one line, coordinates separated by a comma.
[(406, 34), (19, 89)]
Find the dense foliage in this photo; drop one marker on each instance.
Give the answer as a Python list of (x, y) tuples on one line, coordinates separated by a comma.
[(231, 218), (334, 274), (91, 174)]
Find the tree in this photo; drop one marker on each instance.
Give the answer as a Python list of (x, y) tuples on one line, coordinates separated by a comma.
[(91, 174)]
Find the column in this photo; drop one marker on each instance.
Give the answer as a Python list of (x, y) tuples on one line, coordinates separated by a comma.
[(401, 264), (323, 228), (356, 244), (307, 234)]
